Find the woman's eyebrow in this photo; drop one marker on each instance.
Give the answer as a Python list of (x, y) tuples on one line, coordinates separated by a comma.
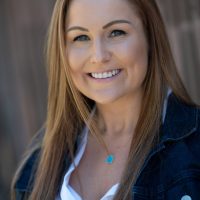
[(119, 21), (77, 28), (104, 27)]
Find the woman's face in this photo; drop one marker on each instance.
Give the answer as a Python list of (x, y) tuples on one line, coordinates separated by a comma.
[(106, 49)]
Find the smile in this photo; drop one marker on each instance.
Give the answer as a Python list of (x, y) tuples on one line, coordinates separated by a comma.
[(103, 75)]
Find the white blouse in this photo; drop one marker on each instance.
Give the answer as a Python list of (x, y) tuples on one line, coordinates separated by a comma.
[(67, 192)]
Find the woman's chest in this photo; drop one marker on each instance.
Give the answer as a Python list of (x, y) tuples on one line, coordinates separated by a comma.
[(93, 177)]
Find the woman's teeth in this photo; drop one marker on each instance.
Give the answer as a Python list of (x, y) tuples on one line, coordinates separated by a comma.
[(107, 74)]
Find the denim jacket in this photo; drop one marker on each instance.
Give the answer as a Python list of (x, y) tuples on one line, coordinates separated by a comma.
[(172, 169)]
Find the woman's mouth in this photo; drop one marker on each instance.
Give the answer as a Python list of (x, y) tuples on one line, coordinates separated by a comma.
[(104, 75)]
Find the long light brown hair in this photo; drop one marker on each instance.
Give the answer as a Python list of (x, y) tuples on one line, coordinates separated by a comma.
[(68, 110)]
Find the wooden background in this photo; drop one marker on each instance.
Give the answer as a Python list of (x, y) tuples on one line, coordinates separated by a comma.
[(23, 84)]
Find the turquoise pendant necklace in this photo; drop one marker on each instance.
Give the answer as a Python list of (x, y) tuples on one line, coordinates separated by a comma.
[(110, 159)]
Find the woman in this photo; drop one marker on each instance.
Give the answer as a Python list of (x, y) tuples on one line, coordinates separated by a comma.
[(120, 124)]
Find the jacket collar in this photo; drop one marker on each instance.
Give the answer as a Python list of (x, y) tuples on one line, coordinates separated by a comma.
[(181, 120)]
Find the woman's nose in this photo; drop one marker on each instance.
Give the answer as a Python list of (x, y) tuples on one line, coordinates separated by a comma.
[(100, 52)]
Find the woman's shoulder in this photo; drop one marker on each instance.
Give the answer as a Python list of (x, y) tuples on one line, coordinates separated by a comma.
[(181, 121), (172, 169), (24, 177)]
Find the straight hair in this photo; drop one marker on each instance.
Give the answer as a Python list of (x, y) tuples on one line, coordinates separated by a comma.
[(68, 110)]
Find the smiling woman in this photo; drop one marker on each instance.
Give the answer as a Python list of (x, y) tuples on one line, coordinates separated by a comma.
[(119, 118), (112, 52)]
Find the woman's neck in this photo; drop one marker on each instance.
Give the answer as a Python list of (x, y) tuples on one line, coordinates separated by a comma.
[(119, 118)]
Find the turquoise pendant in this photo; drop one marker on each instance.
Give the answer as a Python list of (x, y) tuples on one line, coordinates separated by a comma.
[(110, 159)]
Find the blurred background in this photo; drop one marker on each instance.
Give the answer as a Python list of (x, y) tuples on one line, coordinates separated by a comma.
[(23, 82)]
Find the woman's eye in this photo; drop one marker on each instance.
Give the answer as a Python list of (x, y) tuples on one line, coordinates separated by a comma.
[(81, 38), (117, 33)]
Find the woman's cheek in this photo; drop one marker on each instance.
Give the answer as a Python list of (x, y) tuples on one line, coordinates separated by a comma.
[(76, 58), (137, 53), (126, 49)]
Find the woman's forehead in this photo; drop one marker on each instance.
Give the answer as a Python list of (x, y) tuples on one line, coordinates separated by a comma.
[(96, 12)]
